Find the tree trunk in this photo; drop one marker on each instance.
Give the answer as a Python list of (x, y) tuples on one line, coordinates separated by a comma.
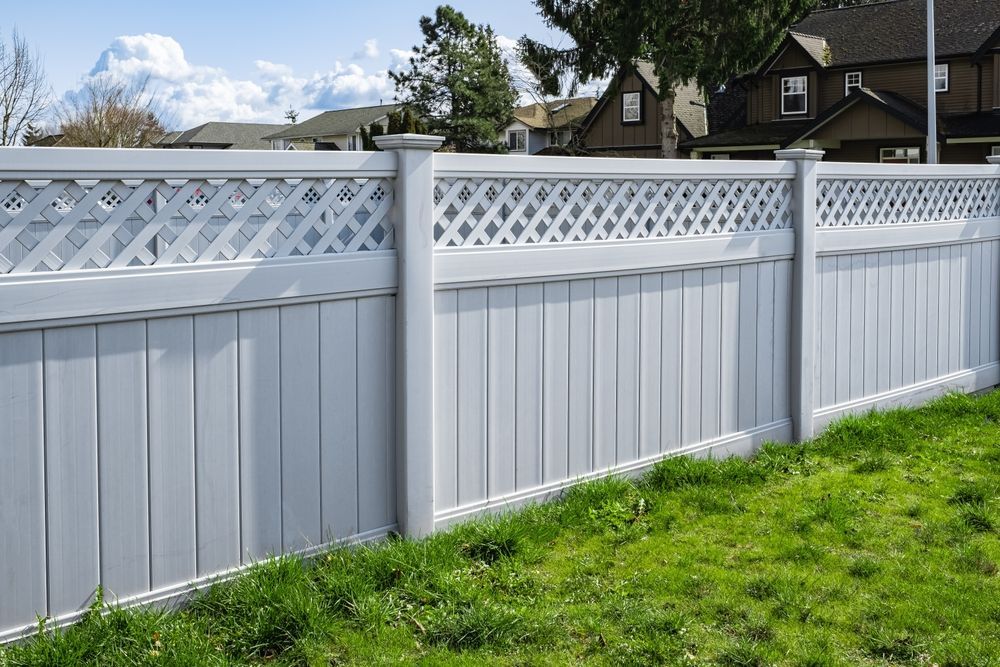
[(668, 127)]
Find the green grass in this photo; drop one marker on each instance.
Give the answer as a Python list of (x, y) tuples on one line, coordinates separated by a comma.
[(876, 544)]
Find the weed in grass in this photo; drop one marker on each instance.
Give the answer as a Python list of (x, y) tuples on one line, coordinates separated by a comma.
[(891, 644), (863, 568), (972, 558), (490, 540), (969, 493), (272, 609), (742, 653), (871, 463), (976, 518)]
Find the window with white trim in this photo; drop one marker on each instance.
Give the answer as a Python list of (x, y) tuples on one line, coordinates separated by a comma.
[(718, 156), (558, 137), (793, 95), (908, 155), (941, 78), (632, 107), (995, 150), (517, 141), (354, 142), (852, 80)]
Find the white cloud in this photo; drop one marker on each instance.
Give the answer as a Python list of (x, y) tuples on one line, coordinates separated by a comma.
[(192, 94), (369, 50)]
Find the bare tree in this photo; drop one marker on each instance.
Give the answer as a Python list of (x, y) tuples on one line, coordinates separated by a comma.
[(111, 114), (24, 93)]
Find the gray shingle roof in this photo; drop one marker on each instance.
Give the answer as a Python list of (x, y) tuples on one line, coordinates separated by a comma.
[(895, 30), (689, 106), (335, 123), (236, 136)]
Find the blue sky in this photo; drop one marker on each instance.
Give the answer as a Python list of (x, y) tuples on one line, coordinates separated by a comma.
[(247, 60)]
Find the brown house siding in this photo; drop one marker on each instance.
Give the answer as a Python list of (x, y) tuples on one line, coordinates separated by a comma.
[(607, 130), (865, 122)]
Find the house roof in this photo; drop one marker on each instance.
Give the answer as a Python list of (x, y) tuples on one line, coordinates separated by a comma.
[(555, 114), (237, 136), (689, 105), (761, 134), (335, 123), (891, 103), (815, 46), (981, 124), (895, 30)]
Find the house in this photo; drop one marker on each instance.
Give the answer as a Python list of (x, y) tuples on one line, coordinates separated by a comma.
[(47, 141), (231, 136), (626, 121), (853, 81), (332, 130), (546, 124)]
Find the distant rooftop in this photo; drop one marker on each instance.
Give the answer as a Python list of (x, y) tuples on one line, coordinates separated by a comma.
[(236, 136), (335, 123)]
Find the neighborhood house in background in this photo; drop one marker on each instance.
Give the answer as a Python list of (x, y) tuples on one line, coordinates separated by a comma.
[(852, 81), (332, 130), (546, 124), (627, 120), (231, 136)]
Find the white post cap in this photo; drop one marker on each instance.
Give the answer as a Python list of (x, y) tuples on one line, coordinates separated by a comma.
[(390, 142), (799, 154), (993, 159)]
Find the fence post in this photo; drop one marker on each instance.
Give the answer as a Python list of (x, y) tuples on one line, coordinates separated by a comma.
[(414, 233), (803, 307)]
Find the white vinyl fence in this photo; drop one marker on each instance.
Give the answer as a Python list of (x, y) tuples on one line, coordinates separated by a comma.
[(210, 357)]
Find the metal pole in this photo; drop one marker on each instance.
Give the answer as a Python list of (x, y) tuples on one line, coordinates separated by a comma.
[(932, 156)]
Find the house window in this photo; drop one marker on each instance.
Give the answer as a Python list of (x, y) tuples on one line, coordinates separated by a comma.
[(793, 95), (517, 141), (995, 150), (719, 156), (558, 138), (852, 80), (354, 143), (631, 107), (941, 78), (899, 155)]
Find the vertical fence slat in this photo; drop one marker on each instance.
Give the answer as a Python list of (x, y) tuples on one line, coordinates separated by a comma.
[(338, 324), (691, 361), (555, 381), (581, 376), (122, 457), (216, 442), (529, 386), (471, 407), (375, 439), (605, 371), (22, 480), (445, 398), (729, 369), (627, 448), (670, 362), (501, 391), (711, 352), (650, 322), (172, 534), (71, 466), (260, 433), (301, 523)]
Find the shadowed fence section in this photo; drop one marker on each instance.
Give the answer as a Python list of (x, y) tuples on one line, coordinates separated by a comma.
[(210, 357)]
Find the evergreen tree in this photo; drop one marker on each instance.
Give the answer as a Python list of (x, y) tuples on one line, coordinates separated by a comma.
[(368, 135), (707, 41), (32, 134), (457, 83)]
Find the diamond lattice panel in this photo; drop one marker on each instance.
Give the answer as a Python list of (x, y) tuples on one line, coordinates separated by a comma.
[(66, 225), (850, 202), (486, 212)]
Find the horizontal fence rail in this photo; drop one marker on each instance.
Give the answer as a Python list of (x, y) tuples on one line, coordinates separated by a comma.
[(209, 357)]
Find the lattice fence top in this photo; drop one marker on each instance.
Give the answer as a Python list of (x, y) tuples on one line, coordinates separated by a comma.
[(92, 224), (845, 202), (507, 211)]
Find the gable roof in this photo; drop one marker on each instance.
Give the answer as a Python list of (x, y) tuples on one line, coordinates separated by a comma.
[(335, 123), (895, 30), (555, 114), (895, 105), (689, 106), (237, 136), (770, 134)]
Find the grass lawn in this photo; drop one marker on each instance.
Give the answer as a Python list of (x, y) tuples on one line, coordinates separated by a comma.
[(876, 544)]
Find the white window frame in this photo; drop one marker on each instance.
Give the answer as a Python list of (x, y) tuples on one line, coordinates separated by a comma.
[(849, 85), (995, 150), (556, 136), (804, 93), (524, 141), (718, 156), (637, 97), (911, 153), (941, 73)]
